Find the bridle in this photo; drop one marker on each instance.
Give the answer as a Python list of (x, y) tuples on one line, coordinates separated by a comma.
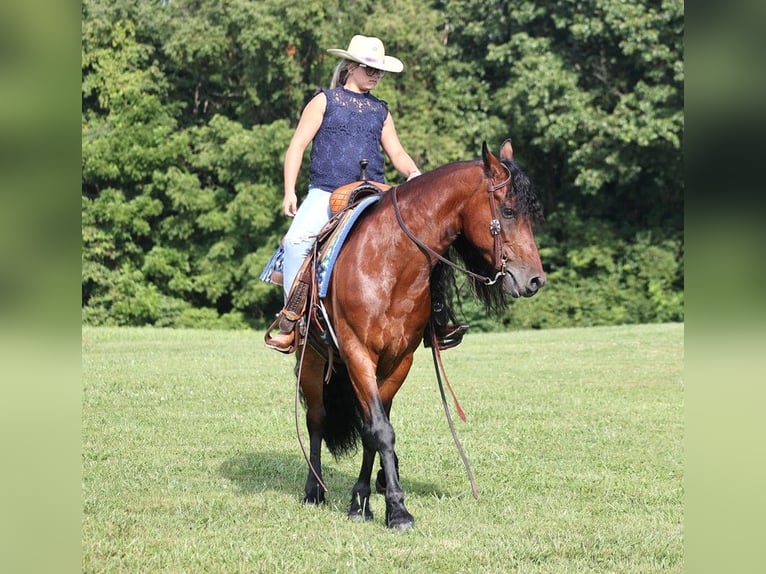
[(495, 230)]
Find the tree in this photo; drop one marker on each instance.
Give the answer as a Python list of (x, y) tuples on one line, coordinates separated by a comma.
[(188, 107)]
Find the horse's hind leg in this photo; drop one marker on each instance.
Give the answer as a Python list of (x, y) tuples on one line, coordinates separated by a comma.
[(311, 385), (360, 495), (314, 493), (380, 479)]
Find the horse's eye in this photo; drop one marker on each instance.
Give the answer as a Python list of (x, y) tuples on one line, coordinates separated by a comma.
[(509, 212)]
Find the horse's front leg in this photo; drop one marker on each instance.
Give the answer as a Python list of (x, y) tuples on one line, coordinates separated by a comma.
[(380, 481), (360, 495), (378, 433)]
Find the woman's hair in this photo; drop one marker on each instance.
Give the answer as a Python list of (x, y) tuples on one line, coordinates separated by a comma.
[(340, 74)]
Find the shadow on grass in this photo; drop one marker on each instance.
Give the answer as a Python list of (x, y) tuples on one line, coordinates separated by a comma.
[(263, 471)]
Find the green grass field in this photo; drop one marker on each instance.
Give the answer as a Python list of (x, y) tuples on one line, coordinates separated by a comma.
[(191, 463)]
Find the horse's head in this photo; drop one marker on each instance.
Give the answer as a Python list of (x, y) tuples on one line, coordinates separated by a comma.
[(501, 225)]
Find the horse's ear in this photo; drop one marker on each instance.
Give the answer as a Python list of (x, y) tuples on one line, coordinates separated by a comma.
[(492, 166), (506, 150), (487, 157)]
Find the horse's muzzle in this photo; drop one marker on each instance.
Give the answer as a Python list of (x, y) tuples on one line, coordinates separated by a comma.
[(534, 285), (529, 287)]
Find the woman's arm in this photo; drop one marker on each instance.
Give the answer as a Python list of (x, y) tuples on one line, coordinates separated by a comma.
[(402, 161), (308, 126)]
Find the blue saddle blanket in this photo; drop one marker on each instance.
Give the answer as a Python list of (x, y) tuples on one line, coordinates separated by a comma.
[(329, 251)]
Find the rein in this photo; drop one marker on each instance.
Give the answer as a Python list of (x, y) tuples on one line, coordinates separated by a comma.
[(299, 368), (495, 230), (439, 367)]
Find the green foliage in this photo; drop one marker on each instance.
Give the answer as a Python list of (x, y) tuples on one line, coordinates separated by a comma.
[(629, 285), (632, 283), (204, 319), (596, 94), (638, 281), (187, 109), (594, 278)]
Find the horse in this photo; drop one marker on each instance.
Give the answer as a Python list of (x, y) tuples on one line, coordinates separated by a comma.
[(478, 212)]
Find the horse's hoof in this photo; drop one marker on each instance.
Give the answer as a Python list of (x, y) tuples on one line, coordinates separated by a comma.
[(359, 516), (402, 523), (313, 499), (402, 526), (359, 509)]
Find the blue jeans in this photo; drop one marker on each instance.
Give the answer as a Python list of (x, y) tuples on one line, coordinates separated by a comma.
[(312, 215)]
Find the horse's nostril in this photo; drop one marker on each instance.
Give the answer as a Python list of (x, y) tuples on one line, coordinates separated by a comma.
[(536, 283)]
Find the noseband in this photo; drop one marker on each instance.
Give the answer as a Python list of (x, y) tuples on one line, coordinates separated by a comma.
[(495, 230)]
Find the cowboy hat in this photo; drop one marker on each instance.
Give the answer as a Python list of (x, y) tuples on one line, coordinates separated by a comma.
[(369, 51)]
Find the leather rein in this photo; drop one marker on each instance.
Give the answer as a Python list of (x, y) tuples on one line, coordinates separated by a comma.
[(495, 230)]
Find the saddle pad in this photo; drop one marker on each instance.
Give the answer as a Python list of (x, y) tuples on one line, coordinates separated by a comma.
[(275, 264), (329, 250)]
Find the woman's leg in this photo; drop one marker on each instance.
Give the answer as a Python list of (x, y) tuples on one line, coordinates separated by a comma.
[(312, 215)]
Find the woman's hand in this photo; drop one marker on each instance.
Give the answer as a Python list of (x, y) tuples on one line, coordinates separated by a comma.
[(290, 204), (413, 174)]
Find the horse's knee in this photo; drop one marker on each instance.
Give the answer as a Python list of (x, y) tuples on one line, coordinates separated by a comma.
[(379, 434)]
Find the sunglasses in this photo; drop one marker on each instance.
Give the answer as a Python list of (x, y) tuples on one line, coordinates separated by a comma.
[(372, 72)]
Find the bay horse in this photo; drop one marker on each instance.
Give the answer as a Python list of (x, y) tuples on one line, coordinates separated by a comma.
[(379, 304)]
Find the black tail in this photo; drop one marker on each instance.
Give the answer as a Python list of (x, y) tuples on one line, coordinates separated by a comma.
[(343, 416)]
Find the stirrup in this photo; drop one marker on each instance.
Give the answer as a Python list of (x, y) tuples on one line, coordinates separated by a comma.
[(290, 316), (448, 336), (451, 331)]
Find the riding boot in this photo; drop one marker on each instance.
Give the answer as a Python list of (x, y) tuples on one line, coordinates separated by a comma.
[(284, 340), (449, 333), (288, 318)]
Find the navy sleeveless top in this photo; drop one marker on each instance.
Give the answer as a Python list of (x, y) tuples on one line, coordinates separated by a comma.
[(350, 131)]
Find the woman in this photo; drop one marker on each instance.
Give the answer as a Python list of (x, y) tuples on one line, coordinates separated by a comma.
[(345, 125)]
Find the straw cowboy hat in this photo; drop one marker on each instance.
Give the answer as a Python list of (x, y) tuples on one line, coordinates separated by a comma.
[(369, 51)]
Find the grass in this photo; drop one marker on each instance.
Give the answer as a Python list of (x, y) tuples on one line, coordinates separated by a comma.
[(191, 464)]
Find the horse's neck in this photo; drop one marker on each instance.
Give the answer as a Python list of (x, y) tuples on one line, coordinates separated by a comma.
[(436, 213)]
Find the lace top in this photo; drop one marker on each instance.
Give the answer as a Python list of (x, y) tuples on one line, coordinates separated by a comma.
[(350, 131)]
